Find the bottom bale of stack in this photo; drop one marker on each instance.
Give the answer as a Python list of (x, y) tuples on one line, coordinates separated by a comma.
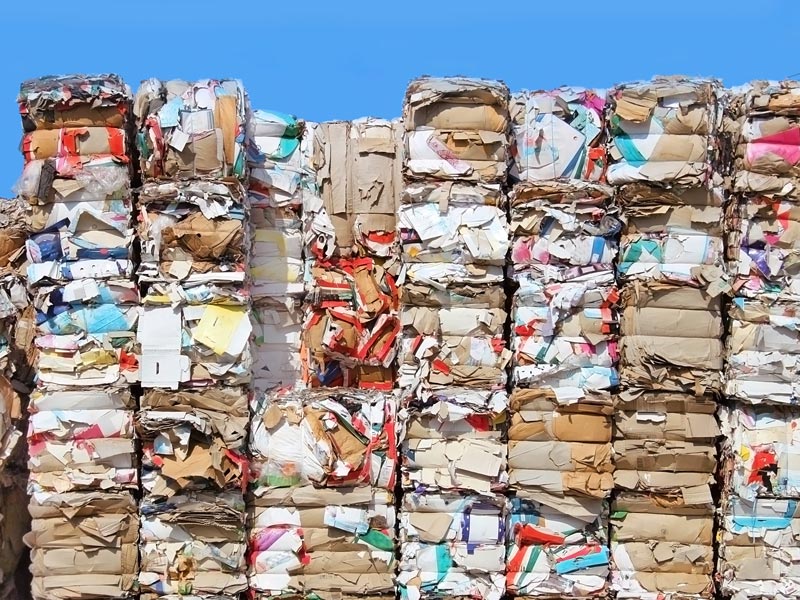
[(83, 545), (452, 545), (661, 548), (307, 541), (557, 547), (193, 543), (759, 552)]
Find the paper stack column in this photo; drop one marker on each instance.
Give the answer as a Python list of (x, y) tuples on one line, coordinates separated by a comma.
[(17, 353), (194, 331), (323, 519), (759, 555), (454, 233), (663, 149), (564, 337), (279, 155), (83, 468)]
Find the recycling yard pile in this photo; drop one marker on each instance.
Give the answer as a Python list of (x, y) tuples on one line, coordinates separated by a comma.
[(539, 344)]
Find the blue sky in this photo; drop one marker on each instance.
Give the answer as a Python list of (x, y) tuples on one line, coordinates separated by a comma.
[(345, 59)]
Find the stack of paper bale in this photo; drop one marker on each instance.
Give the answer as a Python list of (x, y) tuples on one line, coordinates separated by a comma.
[(454, 236), (322, 518), (194, 333), (324, 460), (280, 176), (663, 150), (564, 337), (351, 326), (760, 549), (83, 468)]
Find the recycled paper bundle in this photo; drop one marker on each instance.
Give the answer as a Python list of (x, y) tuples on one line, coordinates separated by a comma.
[(76, 177), (565, 309), (281, 179), (277, 335), (660, 131), (455, 241), (452, 546), (193, 232), (193, 545), (758, 550), (83, 544), (457, 128), (558, 134), (661, 548), (358, 169), (560, 449), (671, 338), (195, 336), (325, 541), (191, 130), (767, 157), (557, 547), (449, 445), (193, 440), (351, 326)]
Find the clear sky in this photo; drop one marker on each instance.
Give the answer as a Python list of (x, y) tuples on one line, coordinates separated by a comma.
[(324, 60)]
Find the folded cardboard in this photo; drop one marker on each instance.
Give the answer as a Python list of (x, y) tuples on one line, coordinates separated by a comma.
[(357, 165)]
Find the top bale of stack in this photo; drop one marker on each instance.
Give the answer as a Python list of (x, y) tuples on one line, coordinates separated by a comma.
[(456, 128)]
